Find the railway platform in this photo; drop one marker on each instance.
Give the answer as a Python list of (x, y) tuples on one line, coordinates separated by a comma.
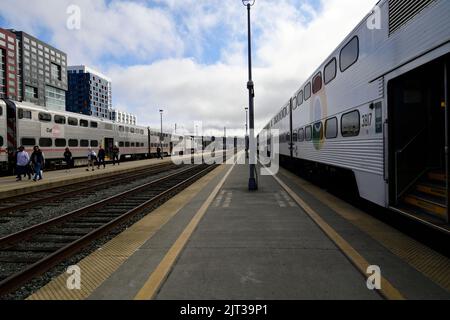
[(289, 240)]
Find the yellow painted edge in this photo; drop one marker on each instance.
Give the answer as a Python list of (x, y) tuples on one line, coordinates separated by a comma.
[(156, 279), (387, 290)]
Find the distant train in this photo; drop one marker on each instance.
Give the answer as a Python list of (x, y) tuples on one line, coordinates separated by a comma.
[(29, 125), (375, 111)]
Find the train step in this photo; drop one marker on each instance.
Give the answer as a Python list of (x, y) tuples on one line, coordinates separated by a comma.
[(439, 176), (430, 204), (433, 188)]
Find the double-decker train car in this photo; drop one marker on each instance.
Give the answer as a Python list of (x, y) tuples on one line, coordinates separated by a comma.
[(29, 125), (376, 110)]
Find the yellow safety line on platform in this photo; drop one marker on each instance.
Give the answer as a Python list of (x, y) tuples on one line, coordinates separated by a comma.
[(156, 279), (387, 289)]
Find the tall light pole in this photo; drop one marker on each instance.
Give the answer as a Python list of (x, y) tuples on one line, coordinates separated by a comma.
[(252, 185), (161, 136), (246, 132)]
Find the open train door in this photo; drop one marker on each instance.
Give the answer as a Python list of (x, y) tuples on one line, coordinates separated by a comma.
[(418, 141), (11, 123), (109, 144)]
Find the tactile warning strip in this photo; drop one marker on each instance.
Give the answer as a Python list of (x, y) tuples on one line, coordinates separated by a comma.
[(101, 264), (425, 260)]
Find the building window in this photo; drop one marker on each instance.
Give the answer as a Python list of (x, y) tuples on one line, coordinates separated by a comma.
[(31, 92), (330, 71), (55, 71), (317, 83), (307, 91), (45, 142), (349, 54), (308, 133), (350, 124), (331, 128), (45, 117), (55, 98)]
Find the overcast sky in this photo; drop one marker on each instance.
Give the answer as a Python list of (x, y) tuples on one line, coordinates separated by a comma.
[(188, 57)]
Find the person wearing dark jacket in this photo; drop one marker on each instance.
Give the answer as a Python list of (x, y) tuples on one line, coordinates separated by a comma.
[(101, 158), (38, 160), (68, 159), (115, 155)]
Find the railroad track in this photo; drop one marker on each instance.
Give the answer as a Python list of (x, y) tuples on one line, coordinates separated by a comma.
[(60, 194), (35, 250)]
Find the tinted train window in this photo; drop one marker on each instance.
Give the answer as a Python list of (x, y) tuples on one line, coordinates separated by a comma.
[(73, 143), (121, 129), (308, 91), (1, 111), (318, 131), (46, 117), (60, 119), (73, 121), (127, 144), (331, 128), (308, 133), (60, 142), (94, 143), (350, 124), (132, 130), (127, 129), (300, 98), (132, 144), (330, 71), (108, 126), (301, 135), (349, 54), (84, 143), (317, 83), (1, 140), (45, 142), (84, 123), (24, 114), (294, 103), (295, 136), (94, 124), (28, 142), (121, 144)]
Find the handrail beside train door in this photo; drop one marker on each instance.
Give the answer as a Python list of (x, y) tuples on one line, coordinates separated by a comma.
[(447, 131)]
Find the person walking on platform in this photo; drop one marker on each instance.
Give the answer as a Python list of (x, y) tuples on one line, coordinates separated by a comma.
[(68, 159), (22, 161), (115, 155), (158, 153), (38, 160), (101, 158), (91, 157)]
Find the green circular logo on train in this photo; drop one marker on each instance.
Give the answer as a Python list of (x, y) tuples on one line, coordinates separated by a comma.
[(319, 111)]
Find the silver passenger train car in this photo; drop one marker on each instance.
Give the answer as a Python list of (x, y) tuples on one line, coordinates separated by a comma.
[(29, 125), (377, 110)]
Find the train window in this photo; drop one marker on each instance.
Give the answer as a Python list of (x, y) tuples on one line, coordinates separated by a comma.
[(60, 119), (45, 142), (121, 144), (127, 129), (24, 114), (331, 128), (142, 144), (60, 142), (142, 131), (350, 124), (318, 131), (288, 137), (73, 121), (84, 143), (308, 133), (132, 144), (94, 143), (317, 83), (28, 142), (349, 54), (1, 141), (73, 143), (94, 124), (84, 123), (295, 136), (1, 111), (301, 135), (300, 98), (307, 91), (108, 126), (294, 103), (132, 130), (121, 129), (330, 71), (127, 144), (46, 117)]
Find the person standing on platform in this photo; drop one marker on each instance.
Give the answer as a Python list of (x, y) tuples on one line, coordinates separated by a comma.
[(68, 159), (22, 161), (158, 153), (38, 160), (115, 155), (91, 157), (101, 158)]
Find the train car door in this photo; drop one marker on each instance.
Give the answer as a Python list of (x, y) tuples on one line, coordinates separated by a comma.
[(418, 139), (109, 144), (11, 123)]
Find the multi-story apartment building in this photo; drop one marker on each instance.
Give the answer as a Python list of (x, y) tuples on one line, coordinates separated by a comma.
[(8, 65), (122, 117)]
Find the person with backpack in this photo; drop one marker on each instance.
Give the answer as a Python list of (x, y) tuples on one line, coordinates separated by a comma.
[(91, 157), (115, 155), (38, 161), (68, 159), (101, 158)]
